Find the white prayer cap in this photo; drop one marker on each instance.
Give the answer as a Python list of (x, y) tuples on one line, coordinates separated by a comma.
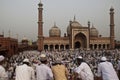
[(26, 60), (80, 57), (58, 60), (1, 58), (43, 57), (103, 58)]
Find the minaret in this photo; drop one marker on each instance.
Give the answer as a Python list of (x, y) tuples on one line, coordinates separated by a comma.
[(89, 32), (112, 34), (40, 27)]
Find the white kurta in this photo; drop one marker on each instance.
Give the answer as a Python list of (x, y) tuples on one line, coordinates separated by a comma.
[(3, 74), (106, 70), (84, 72), (24, 72), (118, 64), (44, 72)]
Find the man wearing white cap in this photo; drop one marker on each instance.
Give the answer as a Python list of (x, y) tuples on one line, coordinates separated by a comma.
[(25, 72), (106, 70), (3, 74), (83, 71), (43, 72)]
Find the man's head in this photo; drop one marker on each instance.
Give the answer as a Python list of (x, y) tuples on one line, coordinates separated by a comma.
[(103, 58), (1, 59), (79, 60), (43, 58), (58, 61), (26, 61)]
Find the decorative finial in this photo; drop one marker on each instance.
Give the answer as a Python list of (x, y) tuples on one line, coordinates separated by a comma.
[(92, 25), (54, 24), (74, 18), (9, 32), (40, 4), (3, 32), (88, 23), (111, 9), (17, 35)]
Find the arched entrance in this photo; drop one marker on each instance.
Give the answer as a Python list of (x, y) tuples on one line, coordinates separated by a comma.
[(77, 44), (80, 41), (51, 47), (45, 47), (61, 47), (67, 46), (56, 46)]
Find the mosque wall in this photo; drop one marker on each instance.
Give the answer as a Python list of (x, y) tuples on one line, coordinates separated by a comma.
[(10, 45)]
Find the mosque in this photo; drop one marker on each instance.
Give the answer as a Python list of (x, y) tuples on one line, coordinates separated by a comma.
[(77, 37)]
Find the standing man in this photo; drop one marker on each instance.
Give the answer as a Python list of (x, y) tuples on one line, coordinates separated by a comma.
[(60, 72), (82, 71), (106, 70), (25, 72), (44, 72), (3, 74)]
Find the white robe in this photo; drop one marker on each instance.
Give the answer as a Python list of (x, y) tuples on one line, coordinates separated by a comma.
[(3, 74), (43, 72), (24, 72), (84, 71), (106, 70)]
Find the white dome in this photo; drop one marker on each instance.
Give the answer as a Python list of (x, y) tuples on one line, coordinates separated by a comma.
[(73, 24), (54, 32), (93, 32)]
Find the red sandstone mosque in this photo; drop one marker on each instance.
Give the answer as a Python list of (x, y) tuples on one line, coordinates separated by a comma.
[(77, 37)]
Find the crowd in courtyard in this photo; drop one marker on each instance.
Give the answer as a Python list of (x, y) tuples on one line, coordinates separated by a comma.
[(66, 57)]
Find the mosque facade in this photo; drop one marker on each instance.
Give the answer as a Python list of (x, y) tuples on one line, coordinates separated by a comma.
[(77, 37)]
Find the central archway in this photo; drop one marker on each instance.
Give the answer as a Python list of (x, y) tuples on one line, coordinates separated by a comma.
[(77, 44), (80, 41)]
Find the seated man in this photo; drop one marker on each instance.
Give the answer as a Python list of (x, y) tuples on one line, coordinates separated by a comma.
[(83, 71), (59, 70)]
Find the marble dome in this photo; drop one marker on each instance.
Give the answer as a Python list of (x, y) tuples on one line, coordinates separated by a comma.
[(93, 32), (54, 32)]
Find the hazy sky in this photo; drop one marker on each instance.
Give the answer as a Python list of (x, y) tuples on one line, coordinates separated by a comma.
[(21, 16)]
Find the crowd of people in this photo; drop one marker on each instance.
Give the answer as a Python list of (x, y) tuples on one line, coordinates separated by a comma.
[(63, 65)]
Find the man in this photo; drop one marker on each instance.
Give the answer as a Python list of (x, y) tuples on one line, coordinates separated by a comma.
[(44, 72), (83, 71), (3, 74), (106, 70), (119, 68), (25, 72), (60, 72)]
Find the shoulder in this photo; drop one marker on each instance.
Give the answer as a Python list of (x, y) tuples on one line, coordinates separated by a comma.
[(83, 64), (43, 66), (2, 68), (30, 67)]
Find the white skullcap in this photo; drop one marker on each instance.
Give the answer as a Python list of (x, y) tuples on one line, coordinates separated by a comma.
[(80, 57), (103, 59), (1, 58), (26, 60), (58, 60), (42, 55)]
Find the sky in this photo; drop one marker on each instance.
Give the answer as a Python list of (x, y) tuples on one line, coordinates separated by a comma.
[(20, 17)]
